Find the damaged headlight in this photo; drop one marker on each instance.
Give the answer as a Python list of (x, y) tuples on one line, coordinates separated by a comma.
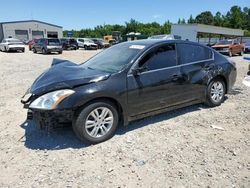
[(50, 100)]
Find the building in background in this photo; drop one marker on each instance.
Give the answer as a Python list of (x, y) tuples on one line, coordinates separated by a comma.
[(196, 32), (29, 29)]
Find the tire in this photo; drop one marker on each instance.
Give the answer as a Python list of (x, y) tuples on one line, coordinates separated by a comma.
[(215, 93), (34, 50), (23, 50), (241, 52), (44, 51), (85, 47), (80, 121), (60, 52)]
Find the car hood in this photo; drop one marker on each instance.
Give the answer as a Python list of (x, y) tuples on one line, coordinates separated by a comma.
[(64, 74), (221, 46)]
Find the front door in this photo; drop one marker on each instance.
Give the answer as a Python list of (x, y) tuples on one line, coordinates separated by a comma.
[(158, 85)]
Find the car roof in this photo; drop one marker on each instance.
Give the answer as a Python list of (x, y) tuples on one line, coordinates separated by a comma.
[(152, 42)]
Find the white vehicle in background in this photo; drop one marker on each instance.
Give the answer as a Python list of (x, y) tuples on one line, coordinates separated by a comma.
[(11, 44), (86, 43), (166, 37)]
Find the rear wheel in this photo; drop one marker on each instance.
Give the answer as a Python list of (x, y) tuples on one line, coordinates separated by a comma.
[(215, 92), (34, 50), (96, 123), (23, 50), (242, 52), (44, 51)]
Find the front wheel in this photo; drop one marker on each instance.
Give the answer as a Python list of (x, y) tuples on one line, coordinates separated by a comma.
[(34, 50), (44, 51), (215, 92), (96, 123)]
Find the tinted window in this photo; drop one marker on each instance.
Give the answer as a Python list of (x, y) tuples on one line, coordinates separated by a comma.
[(72, 41), (190, 53), (53, 41), (161, 57)]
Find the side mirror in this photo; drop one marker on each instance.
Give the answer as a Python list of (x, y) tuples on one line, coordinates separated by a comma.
[(138, 70)]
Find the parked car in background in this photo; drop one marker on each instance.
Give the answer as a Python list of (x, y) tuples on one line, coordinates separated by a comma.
[(31, 43), (229, 47), (100, 43), (12, 44), (128, 81), (86, 43), (247, 47), (69, 44), (47, 45)]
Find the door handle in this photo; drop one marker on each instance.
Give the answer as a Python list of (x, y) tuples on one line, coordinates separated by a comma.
[(176, 77), (208, 67)]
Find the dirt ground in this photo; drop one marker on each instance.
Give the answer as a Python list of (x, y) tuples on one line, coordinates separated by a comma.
[(191, 147)]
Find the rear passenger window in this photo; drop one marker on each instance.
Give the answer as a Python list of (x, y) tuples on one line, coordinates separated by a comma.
[(161, 57), (190, 53)]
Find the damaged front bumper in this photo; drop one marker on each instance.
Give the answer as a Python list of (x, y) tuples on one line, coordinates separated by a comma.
[(51, 119)]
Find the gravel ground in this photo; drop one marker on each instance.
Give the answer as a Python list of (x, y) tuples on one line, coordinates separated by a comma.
[(191, 147)]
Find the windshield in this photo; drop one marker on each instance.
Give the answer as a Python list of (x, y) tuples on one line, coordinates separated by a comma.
[(53, 41), (88, 40), (14, 41), (225, 42), (115, 58)]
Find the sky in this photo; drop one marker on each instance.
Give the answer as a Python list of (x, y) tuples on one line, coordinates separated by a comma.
[(78, 14)]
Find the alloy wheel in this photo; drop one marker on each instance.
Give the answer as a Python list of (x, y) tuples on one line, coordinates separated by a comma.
[(217, 91), (99, 122)]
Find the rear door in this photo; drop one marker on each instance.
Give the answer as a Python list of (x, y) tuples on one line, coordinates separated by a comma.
[(158, 85), (196, 63), (40, 44)]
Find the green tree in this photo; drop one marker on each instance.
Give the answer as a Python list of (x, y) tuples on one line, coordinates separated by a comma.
[(191, 20), (166, 27), (205, 18), (131, 26), (235, 17), (218, 20)]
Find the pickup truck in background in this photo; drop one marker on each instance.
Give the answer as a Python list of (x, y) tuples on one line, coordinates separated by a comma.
[(229, 47)]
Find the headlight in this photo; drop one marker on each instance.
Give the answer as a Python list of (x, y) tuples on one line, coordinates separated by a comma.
[(50, 100)]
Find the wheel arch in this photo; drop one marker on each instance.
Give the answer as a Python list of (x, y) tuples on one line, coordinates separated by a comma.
[(223, 78), (115, 102)]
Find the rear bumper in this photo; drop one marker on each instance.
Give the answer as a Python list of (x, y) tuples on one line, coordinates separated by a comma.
[(50, 119), (16, 48), (92, 47), (223, 51), (54, 50)]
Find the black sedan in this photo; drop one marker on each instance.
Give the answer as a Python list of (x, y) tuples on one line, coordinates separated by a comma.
[(126, 82)]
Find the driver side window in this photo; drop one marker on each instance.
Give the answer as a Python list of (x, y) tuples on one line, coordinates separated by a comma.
[(161, 57)]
